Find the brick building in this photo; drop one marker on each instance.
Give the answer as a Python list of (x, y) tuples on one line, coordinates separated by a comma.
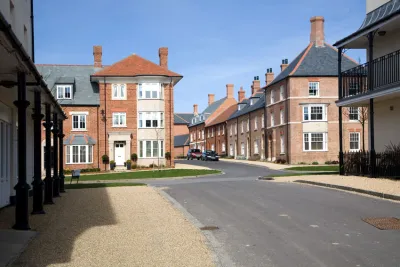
[(199, 123), (181, 133), (302, 118), (115, 110)]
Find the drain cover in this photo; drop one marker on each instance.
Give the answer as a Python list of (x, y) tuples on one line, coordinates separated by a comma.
[(209, 228), (384, 223), (266, 178)]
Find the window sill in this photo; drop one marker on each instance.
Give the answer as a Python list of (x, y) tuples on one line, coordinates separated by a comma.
[(151, 158), (79, 163), (314, 121), (78, 130), (150, 98), (119, 126), (150, 128), (315, 150), (282, 154), (121, 99)]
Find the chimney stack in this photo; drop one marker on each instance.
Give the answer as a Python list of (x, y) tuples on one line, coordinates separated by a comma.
[(284, 64), (210, 99), (97, 54), (241, 94), (269, 76), (163, 54), (317, 35), (256, 85), (229, 90), (195, 109)]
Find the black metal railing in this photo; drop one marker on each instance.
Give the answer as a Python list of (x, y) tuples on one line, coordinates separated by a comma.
[(387, 164), (385, 73)]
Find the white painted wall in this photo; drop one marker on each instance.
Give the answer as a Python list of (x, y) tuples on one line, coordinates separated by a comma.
[(374, 4), (386, 119), (384, 45), (20, 19), (315, 127), (150, 105), (151, 134)]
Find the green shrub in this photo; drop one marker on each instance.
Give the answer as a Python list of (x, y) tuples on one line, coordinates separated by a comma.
[(128, 161), (315, 163), (168, 155), (68, 171), (134, 166), (134, 157), (302, 163), (280, 161), (153, 165), (105, 158)]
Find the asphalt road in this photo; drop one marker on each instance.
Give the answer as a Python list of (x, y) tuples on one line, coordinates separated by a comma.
[(265, 223)]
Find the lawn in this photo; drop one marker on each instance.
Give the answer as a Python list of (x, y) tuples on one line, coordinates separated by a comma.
[(100, 185), (145, 175), (315, 168)]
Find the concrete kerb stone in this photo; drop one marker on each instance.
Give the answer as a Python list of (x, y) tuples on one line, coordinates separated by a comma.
[(352, 189), (220, 257)]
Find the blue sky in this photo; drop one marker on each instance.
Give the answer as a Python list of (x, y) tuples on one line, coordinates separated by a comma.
[(211, 42)]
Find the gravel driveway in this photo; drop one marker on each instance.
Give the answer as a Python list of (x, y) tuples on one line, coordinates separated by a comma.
[(121, 226)]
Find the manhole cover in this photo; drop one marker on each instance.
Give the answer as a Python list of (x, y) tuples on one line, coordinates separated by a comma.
[(266, 178), (209, 228), (385, 223)]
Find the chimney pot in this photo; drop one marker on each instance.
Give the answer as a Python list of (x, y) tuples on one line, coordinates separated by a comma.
[(269, 76), (163, 54), (241, 94), (255, 86), (210, 99), (98, 54), (229, 90), (285, 63), (195, 109), (317, 35)]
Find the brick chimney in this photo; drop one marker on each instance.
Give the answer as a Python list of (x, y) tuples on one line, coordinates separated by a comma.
[(97, 54), (241, 94), (269, 76), (210, 99), (195, 109), (317, 35), (163, 54), (256, 85), (284, 64), (229, 90)]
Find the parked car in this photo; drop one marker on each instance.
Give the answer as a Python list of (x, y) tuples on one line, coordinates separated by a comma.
[(194, 154), (209, 155)]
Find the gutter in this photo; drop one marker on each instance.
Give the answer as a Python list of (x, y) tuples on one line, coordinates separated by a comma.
[(17, 45), (32, 33)]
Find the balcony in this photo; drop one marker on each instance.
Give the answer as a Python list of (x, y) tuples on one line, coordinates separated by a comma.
[(383, 72)]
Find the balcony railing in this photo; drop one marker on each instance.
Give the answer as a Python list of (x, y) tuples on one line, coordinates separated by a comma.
[(385, 74)]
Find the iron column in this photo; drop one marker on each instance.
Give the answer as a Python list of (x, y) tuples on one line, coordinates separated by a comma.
[(61, 176), (56, 179), (48, 181)]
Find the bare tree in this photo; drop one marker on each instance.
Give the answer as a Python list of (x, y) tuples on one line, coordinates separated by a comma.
[(362, 119)]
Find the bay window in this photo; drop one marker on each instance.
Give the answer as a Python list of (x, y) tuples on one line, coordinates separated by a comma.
[(151, 120), (150, 91), (79, 154), (314, 113), (315, 141), (119, 119), (78, 122), (118, 91), (151, 149)]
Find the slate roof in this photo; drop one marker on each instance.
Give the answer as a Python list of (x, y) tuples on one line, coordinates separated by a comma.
[(208, 111), (181, 140), (79, 139), (135, 65), (260, 104), (315, 62), (183, 118), (84, 91), (381, 14)]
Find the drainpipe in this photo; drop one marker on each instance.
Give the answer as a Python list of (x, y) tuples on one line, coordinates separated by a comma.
[(249, 136), (265, 126), (105, 117), (340, 94), (215, 139), (32, 33), (287, 123), (237, 135), (98, 139)]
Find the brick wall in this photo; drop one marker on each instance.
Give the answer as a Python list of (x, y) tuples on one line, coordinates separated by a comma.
[(218, 139), (197, 142), (169, 121), (231, 138), (180, 129), (257, 134)]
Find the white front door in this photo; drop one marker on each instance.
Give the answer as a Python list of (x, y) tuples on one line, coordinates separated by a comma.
[(5, 156), (119, 154)]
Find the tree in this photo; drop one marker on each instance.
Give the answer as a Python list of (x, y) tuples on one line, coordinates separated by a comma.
[(362, 119)]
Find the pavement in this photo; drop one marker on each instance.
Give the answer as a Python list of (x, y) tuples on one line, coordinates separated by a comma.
[(269, 165), (120, 226), (285, 224)]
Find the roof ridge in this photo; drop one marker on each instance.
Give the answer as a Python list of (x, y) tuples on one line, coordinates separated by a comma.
[(181, 117), (301, 59), (77, 65)]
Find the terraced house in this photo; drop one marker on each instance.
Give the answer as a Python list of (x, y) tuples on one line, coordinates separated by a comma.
[(115, 110), (245, 127), (198, 130), (301, 115), (181, 133), (374, 85)]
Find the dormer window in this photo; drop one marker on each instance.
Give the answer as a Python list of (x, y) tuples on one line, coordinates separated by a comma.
[(64, 91), (251, 101), (239, 107)]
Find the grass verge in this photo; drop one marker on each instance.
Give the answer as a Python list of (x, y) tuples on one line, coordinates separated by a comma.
[(315, 168), (100, 185), (301, 174), (146, 174)]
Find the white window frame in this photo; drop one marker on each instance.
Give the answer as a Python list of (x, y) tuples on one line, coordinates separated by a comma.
[(212, 132), (262, 121), (62, 87), (223, 148), (212, 147), (119, 115), (272, 119), (242, 127), (118, 91), (223, 129), (208, 133), (272, 96), (150, 91), (231, 130), (69, 156), (242, 150), (231, 150), (248, 125), (199, 134), (283, 144), (219, 130), (256, 151), (282, 116), (143, 149), (235, 128), (309, 136), (256, 123), (353, 113), (202, 134), (350, 141), (307, 111), (80, 116), (313, 86), (152, 116), (281, 95)]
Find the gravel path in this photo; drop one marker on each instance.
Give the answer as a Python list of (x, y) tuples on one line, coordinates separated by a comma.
[(385, 186), (121, 226)]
